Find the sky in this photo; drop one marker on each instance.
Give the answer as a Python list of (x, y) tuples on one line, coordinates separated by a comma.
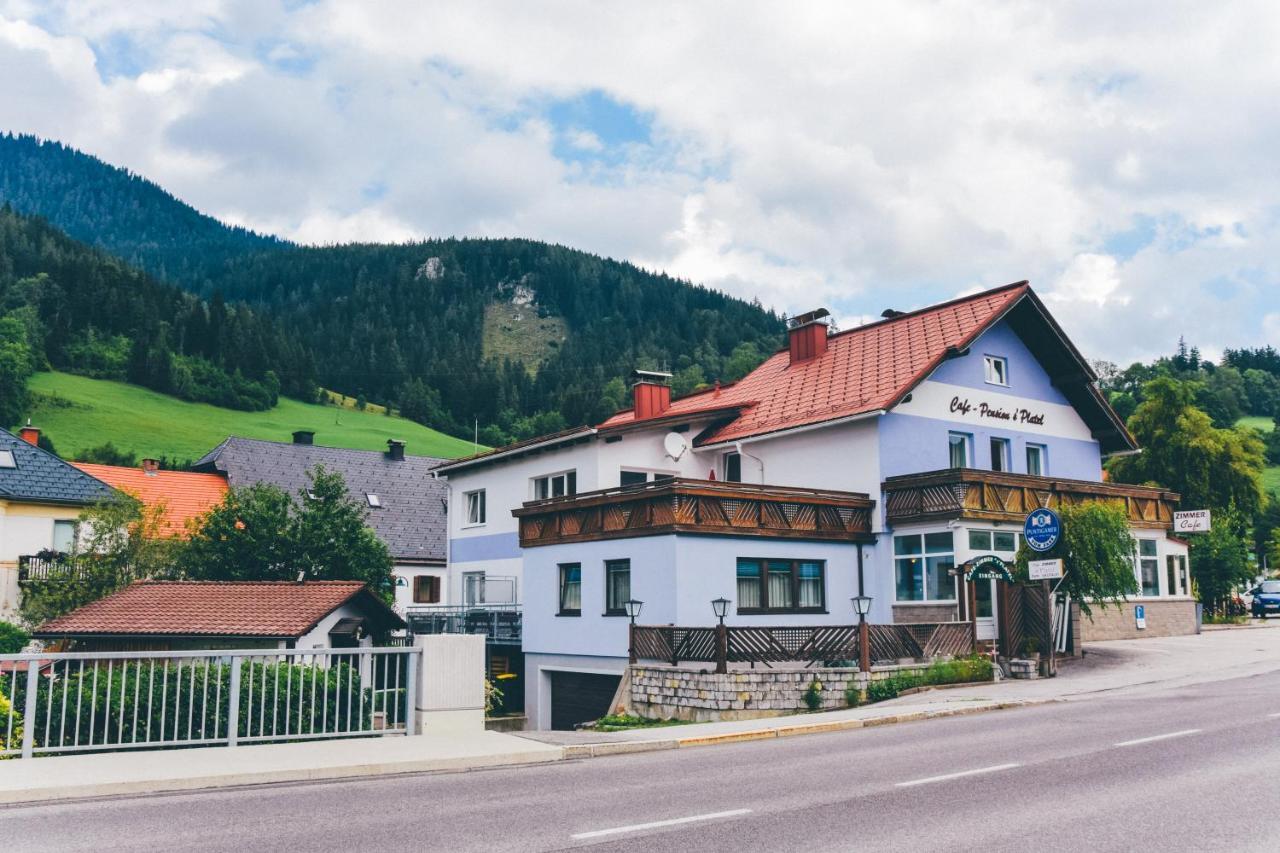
[(1122, 157)]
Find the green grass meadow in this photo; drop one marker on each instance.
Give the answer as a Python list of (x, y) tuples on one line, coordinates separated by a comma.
[(1270, 476), (78, 413)]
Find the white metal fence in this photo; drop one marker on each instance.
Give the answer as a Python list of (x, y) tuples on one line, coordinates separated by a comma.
[(102, 701)]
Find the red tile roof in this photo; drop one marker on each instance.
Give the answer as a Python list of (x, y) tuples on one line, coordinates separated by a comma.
[(185, 496), (864, 370), (208, 608)]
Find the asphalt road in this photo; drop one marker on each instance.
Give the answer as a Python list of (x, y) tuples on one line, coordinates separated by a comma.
[(1195, 768)]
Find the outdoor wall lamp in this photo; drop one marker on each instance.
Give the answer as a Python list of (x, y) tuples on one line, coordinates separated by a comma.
[(633, 606), (720, 606)]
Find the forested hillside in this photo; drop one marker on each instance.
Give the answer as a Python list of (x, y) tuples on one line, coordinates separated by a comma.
[(405, 325), (66, 305)]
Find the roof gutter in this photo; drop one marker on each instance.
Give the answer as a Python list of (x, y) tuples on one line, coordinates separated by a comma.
[(514, 451), (752, 439)]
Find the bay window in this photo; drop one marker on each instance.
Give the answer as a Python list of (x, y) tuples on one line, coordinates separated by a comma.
[(781, 586)]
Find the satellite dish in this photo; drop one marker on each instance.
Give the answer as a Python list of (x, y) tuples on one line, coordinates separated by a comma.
[(675, 445)]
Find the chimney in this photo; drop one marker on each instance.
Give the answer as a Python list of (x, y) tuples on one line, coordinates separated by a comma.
[(807, 335), (395, 450), (651, 393), (150, 466), (30, 434), (304, 436)]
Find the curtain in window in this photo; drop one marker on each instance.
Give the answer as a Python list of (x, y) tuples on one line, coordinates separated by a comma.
[(810, 584), (570, 588), (748, 584), (780, 596), (959, 452), (619, 582)]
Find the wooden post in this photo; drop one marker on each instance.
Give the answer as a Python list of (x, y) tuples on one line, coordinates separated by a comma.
[(722, 648), (864, 644)]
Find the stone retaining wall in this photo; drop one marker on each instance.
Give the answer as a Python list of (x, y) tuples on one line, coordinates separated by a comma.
[(699, 696), (1165, 618)]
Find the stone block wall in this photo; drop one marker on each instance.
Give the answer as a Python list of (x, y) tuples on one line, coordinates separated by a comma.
[(699, 696), (1165, 618)]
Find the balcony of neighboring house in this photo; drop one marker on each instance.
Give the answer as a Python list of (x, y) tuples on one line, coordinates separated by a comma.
[(59, 567), (967, 493), (682, 505), (489, 607)]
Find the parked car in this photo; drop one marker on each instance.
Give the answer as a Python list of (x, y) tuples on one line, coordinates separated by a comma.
[(1266, 599)]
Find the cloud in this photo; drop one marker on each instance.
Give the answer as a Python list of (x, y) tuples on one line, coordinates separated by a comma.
[(819, 154)]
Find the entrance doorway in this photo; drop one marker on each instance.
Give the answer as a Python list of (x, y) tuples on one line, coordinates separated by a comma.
[(986, 626)]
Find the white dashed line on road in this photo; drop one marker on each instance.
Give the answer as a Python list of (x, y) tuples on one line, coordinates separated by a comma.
[(658, 824), (960, 775), (1137, 741)]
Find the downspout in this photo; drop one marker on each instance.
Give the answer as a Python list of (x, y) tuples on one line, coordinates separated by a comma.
[(737, 446), (448, 537)]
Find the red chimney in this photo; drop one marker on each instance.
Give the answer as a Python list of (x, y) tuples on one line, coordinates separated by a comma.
[(30, 434), (651, 392), (807, 336)]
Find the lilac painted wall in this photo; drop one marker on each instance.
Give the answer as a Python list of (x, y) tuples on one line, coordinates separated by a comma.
[(910, 444), (495, 546)]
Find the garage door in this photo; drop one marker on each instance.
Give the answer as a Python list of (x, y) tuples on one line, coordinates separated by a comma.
[(579, 697)]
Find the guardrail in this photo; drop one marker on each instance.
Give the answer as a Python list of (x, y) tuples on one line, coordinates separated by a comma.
[(104, 701), (808, 645), (500, 623), (54, 567)]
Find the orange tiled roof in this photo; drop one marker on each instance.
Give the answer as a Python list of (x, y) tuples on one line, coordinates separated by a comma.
[(208, 608), (863, 370), (185, 495)]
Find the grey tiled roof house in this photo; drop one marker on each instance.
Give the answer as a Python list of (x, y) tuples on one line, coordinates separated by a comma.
[(406, 504), (33, 475)]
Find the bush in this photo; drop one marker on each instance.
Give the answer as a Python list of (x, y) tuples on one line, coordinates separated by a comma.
[(622, 722), (957, 671), (12, 638), (813, 695)]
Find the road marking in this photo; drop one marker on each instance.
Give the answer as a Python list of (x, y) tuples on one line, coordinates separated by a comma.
[(657, 824), (1137, 741), (1277, 714), (959, 775)]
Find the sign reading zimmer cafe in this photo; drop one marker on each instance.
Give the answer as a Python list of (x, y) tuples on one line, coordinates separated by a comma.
[(983, 409)]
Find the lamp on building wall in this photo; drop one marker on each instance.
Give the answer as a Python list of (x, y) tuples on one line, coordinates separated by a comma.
[(633, 607), (720, 606)]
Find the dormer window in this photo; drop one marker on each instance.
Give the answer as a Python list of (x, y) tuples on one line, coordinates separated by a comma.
[(997, 370)]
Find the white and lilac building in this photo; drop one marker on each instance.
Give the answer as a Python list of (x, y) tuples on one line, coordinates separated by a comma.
[(872, 461)]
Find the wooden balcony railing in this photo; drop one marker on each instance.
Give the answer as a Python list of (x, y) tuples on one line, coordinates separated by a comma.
[(697, 506), (997, 496)]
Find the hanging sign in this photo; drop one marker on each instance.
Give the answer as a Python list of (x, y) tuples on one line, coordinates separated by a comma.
[(1044, 570), (1042, 529), (1192, 521), (989, 567)]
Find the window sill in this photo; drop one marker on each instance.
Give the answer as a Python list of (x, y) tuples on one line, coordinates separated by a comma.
[(612, 613), (762, 611), (569, 613), (474, 526), (941, 602)]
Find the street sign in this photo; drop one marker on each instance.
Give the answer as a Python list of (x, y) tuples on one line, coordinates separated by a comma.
[(989, 567), (1044, 570), (1192, 521), (1140, 615), (1042, 529)]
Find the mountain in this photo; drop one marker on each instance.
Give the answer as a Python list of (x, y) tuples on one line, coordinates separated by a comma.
[(76, 308), (512, 336)]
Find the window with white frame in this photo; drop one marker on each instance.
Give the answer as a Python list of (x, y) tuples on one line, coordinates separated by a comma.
[(1000, 454), (475, 506), (960, 449), (1148, 567), (922, 567), (732, 468), (1037, 460), (996, 369), (994, 541), (64, 536), (555, 485)]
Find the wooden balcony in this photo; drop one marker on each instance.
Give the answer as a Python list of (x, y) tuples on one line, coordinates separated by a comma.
[(994, 496), (697, 506)]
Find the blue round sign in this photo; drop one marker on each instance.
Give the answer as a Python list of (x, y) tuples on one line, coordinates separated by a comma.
[(1042, 529)]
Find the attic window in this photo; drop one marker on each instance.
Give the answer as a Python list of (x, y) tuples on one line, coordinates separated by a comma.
[(374, 500), (7, 460)]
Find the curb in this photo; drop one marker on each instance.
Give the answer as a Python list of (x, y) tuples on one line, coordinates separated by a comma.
[(597, 750)]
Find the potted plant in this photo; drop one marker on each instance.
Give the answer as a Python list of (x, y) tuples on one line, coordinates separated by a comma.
[(1031, 648)]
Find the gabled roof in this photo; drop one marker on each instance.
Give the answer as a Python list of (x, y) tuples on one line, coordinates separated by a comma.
[(40, 477), (184, 495), (870, 369), (280, 609), (411, 519)]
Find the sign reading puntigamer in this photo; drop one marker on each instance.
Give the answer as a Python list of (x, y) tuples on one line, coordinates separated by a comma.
[(1042, 529)]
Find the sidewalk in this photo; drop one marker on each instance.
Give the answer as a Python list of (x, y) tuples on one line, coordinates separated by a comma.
[(1129, 665)]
